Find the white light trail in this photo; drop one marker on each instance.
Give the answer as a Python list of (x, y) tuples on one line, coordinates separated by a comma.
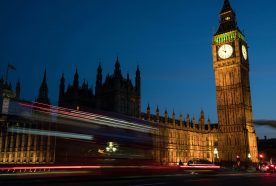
[(50, 133)]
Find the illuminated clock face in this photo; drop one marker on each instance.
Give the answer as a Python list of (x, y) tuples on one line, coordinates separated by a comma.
[(244, 52), (225, 51)]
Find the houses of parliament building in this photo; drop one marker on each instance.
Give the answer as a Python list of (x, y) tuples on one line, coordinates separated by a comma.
[(174, 138)]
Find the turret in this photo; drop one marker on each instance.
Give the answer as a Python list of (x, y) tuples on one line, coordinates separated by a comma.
[(194, 122), (76, 80), (76, 86), (157, 115), (17, 90), (117, 70), (99, 79), (148, 113), (188, 121), (61, 90), (201, 121), (209, 124), (43, 91), (181, 120), (166, 116), (173, 118), (138, 82)]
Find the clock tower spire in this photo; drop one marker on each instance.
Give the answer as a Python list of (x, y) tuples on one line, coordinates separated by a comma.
[(231, 66), (227, 19)]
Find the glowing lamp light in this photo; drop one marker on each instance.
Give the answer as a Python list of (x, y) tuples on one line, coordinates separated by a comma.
[(111, 147), (249, 155), (216, 151)]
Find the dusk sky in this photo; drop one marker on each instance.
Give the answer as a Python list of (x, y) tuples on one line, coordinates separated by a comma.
[(170, 40)]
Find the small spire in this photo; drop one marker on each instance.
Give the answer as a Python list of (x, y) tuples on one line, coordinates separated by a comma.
[(166, 116), (138, 69), (17, 89), (148, 112), (188, 121), (43, 90), (209, 123), (127, 76), (117, 63), (181, 120), (99, 67), (44, 77), (157, 109), (194, 122)]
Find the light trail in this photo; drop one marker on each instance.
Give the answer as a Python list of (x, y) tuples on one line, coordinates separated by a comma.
[(50, 133), (89, 117), (200, 166), (84, 167)]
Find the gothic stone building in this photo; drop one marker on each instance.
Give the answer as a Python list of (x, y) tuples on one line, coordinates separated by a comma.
[(116, 93), (18, 145), (174, 139)]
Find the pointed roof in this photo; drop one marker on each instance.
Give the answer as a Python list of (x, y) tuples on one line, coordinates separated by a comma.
[(227, 19), (117, 64), (99, 67), (148, 108), (43, 90), (137, 71), (76, 79), (44, 77), (62, 77), (76, 73), (117, 70), (226, 7)]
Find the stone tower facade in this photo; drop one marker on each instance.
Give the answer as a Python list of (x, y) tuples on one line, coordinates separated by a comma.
[(237, 138)]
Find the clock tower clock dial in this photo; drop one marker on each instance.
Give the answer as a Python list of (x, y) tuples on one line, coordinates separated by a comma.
[(244, 52), (234, 109), (225, 51)]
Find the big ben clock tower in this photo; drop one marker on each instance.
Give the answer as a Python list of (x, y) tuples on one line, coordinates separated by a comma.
[(237, 136)]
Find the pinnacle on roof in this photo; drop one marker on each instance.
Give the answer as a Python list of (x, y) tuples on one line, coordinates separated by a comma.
[(148, 108), (157, 109)]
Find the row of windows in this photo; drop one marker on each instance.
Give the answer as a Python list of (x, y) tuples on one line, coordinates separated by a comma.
[(24, 157)]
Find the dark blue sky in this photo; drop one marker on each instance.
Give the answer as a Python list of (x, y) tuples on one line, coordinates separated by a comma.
[(169, 39)]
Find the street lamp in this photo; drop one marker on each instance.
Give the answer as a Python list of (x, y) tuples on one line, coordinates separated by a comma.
[(111, 147), (215, 153), (249, 158)]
